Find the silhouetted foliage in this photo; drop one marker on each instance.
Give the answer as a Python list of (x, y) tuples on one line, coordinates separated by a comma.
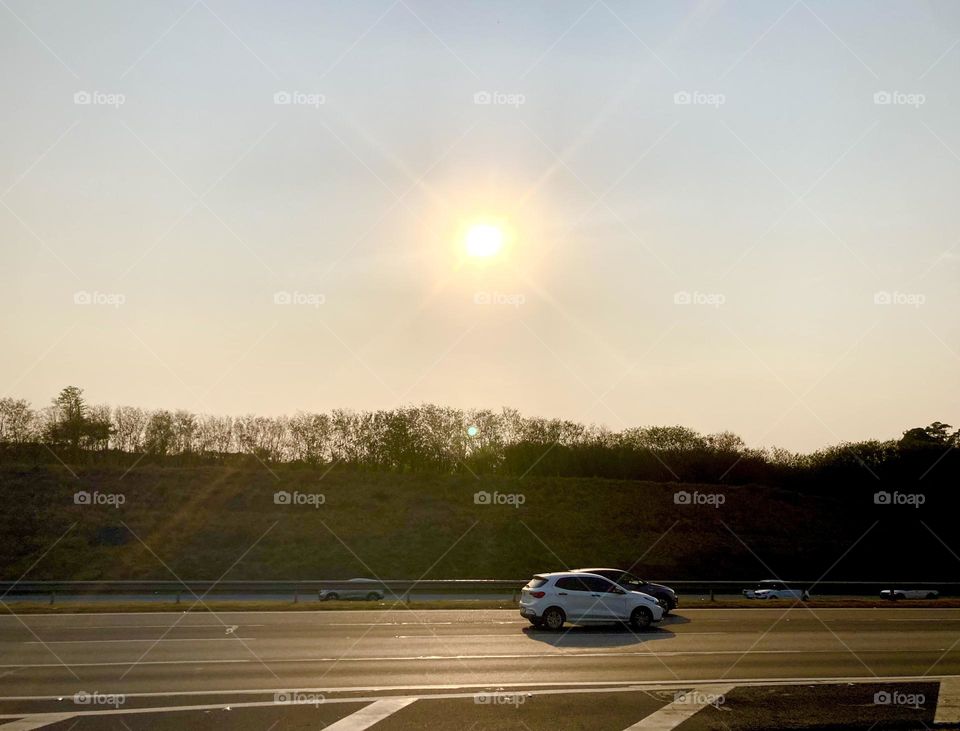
[(436, 439)]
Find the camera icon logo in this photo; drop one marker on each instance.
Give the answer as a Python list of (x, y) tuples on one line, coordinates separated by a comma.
[(282, 298), (82, 97), (482, 298), (682, 298), (682, 97), (882, 498), (882, 298), (882, 698), (82, 298), (482, 97), (682, 498), (482, 498), (882, 97), (82, 498), (281, 497), (282, 97)]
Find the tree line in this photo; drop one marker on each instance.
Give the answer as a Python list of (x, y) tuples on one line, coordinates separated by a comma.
[(429, 438)]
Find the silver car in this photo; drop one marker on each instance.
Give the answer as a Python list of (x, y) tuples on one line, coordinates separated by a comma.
[(369, 589)]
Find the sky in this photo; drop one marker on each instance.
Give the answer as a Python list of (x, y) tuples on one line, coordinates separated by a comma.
[(728, 215)]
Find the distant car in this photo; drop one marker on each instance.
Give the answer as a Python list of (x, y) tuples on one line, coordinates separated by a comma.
[(369, 589), (895, 594), (773, 589), (663, 594), (549, 600)]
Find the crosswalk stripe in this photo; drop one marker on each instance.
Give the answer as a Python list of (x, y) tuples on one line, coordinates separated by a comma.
[(673, 714), (35, 721), (948, 701), (369, 715)]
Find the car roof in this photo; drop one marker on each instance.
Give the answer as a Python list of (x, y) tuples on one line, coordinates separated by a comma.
[(587, 571), (556, 574)]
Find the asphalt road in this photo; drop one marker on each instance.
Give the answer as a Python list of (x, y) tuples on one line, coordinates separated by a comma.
[(348, 660)]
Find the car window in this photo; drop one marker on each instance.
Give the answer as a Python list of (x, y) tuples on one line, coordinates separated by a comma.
[(596, 584), (536, 582), (571, 583)]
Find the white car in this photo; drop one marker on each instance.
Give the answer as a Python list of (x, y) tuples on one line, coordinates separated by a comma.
[(894, 594), (549, 600), (369, 589), (772, 589)]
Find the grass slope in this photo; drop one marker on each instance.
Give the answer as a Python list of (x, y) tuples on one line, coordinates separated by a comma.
[(204, 521)]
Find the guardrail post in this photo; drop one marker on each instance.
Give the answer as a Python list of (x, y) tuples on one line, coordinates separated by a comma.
[(296, 595), (178, 596), (711, 594), (52, 594)]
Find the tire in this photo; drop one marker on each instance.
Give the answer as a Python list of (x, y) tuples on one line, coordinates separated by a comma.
[(553, 619), (373, 597), (537, 623), (931, 595), (640, 618), (897, 597), (664, 605), (332, 597)]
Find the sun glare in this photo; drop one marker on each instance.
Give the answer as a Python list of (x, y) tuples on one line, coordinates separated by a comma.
[(484, 240)]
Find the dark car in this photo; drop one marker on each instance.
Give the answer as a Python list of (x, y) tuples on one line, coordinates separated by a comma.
[(663, 594)]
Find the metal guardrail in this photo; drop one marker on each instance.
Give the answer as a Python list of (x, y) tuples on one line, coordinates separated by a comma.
[(404, 589)]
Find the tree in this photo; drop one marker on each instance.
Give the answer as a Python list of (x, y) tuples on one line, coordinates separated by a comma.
[(70, 425), (16, 421)]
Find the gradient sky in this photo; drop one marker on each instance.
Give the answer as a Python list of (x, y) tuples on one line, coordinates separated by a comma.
[(794, 202)]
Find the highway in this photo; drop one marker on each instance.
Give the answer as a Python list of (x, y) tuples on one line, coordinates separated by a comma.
[(350, 660)]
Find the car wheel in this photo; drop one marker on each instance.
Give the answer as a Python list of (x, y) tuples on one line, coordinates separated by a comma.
[(664, 605), (899, 596), (931, 595), (553, 619), (332, 596), (640, 618), (538, 623), (373, 597)]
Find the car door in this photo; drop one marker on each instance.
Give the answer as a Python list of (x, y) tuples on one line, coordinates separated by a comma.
[(608, 601), (575, 598)]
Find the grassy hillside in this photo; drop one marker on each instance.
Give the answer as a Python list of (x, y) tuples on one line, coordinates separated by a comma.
[(200, 520)]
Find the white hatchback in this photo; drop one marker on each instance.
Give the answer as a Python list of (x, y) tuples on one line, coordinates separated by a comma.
[(549, 600)]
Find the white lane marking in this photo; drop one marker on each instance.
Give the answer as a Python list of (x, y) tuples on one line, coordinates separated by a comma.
[(541, 688), (673, 714), (433, 658), (232, 638), (374, 713), (948, 701), (37, 720)]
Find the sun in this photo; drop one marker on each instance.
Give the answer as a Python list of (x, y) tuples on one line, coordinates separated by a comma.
[(484, 240)]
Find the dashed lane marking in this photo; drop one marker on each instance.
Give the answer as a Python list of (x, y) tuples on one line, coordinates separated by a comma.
[(374, 713)]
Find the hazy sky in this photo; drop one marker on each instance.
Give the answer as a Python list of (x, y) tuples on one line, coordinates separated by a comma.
[(783, 201)]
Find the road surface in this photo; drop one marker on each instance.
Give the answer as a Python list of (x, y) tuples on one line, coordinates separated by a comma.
[(490, 667)]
